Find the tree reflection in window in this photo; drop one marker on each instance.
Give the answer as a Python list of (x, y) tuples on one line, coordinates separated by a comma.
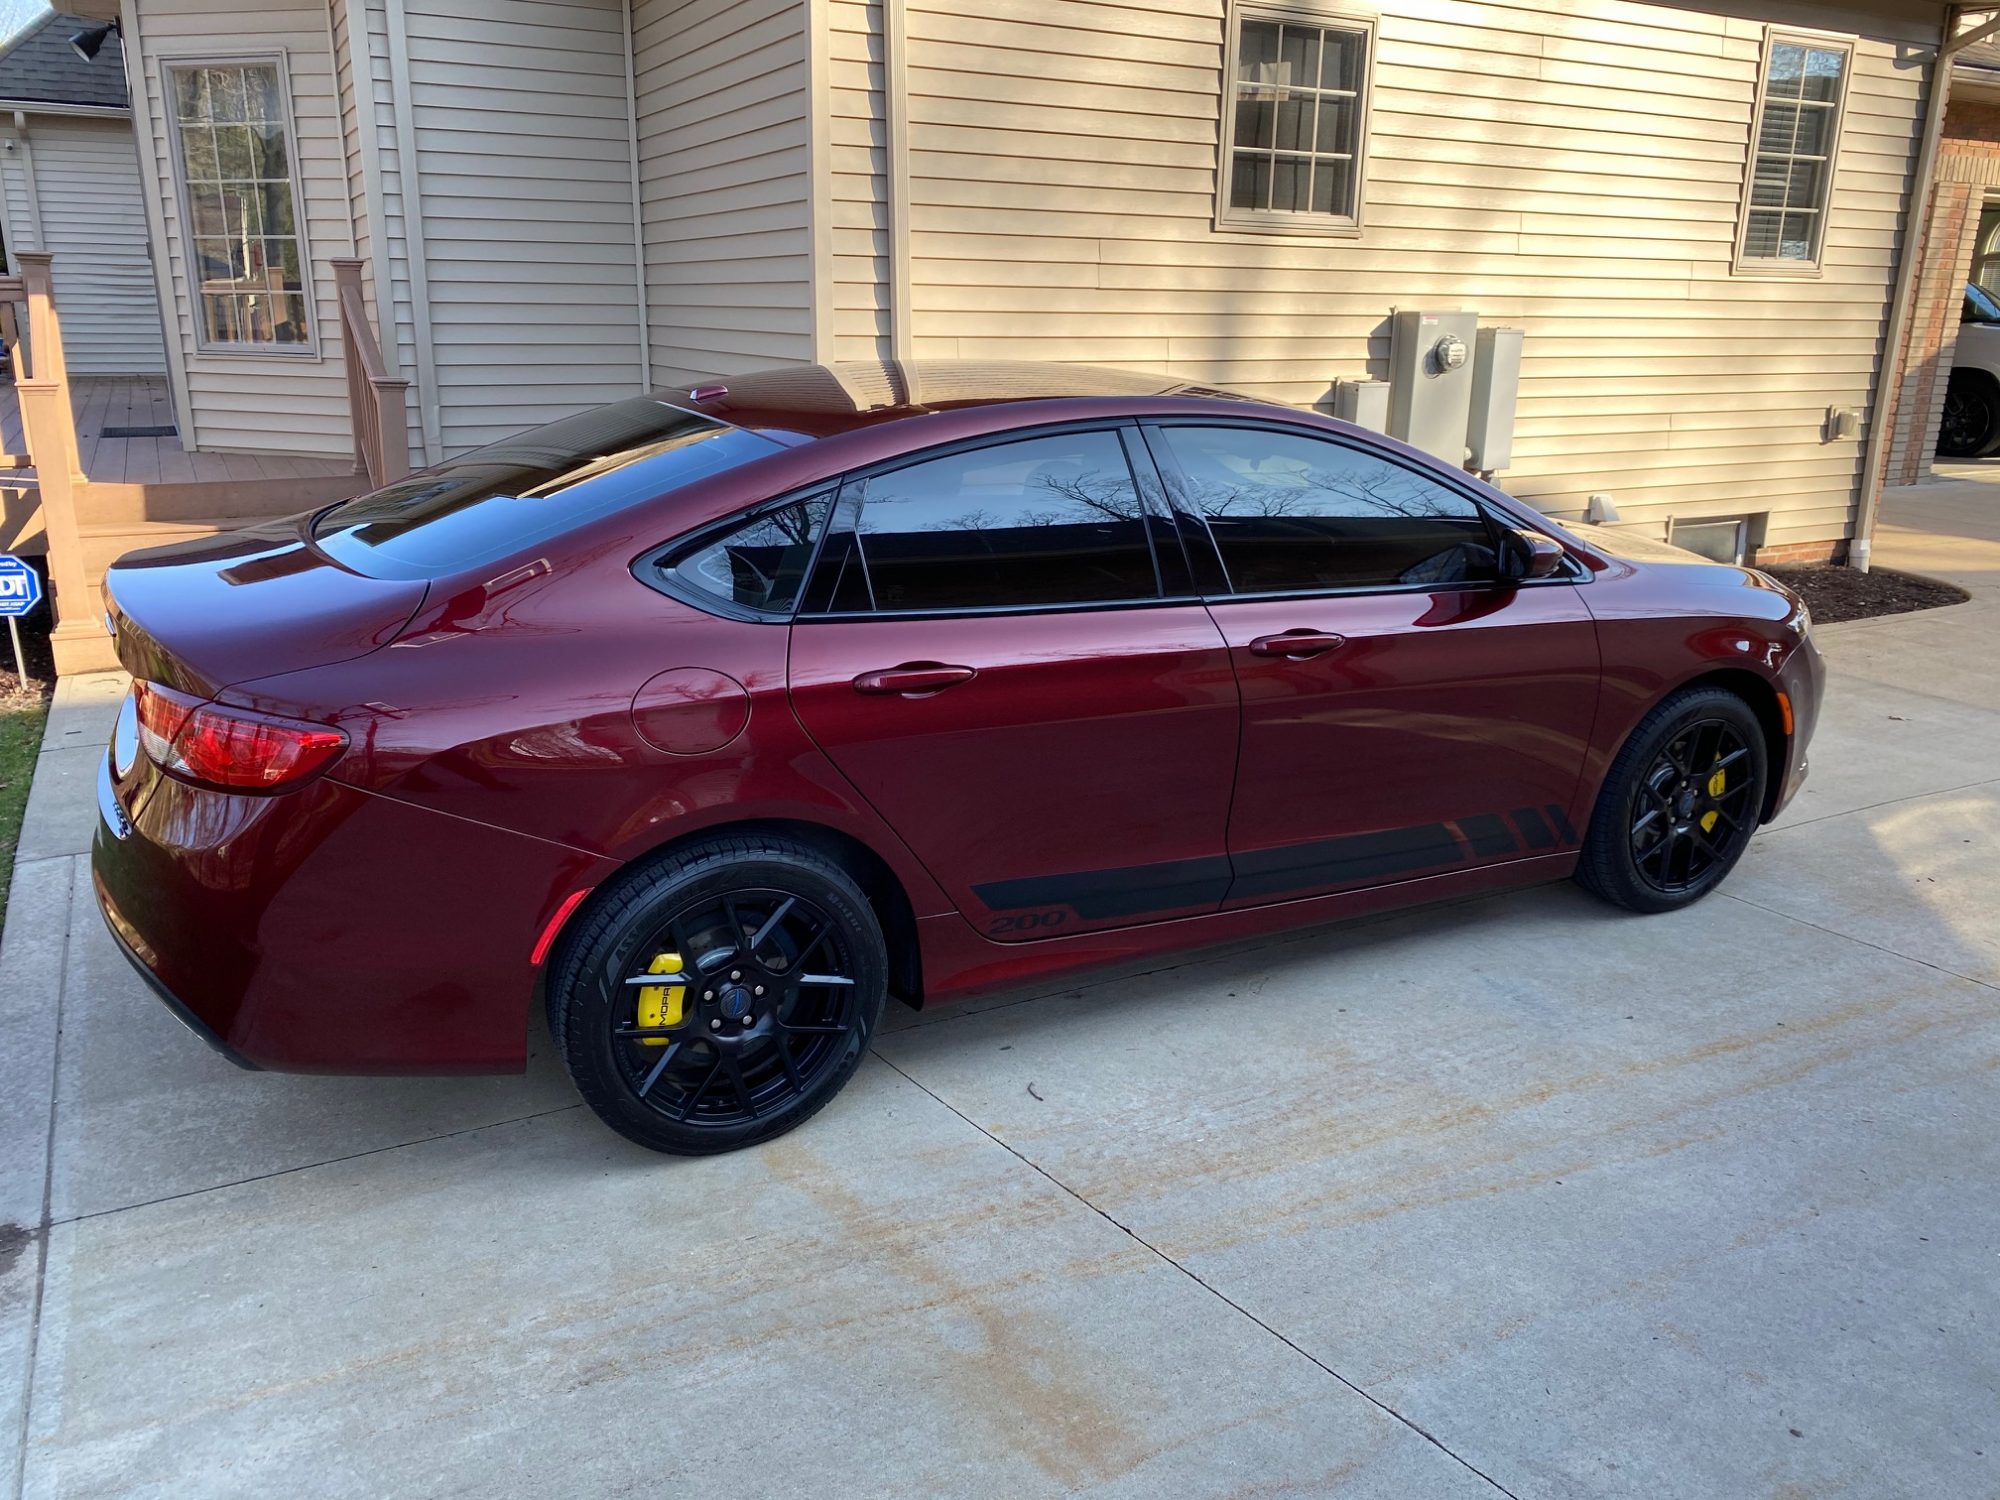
[(1290, 512), (1042, 521)]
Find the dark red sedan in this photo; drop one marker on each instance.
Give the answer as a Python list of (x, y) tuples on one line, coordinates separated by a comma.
[(719, 716)]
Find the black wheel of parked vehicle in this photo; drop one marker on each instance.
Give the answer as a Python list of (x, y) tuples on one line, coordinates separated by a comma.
[(720, 997), (1970, 426), (1679, 804)]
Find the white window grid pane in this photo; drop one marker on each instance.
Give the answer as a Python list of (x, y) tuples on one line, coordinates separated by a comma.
[(1278, 90), (1786, 229), (246, 293)]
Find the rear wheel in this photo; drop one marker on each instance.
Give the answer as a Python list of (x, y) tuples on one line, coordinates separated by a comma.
[(721, 997), (1679, 805), (1970, 426)]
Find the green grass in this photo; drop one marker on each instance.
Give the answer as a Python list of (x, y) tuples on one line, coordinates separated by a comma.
[(21, 722)]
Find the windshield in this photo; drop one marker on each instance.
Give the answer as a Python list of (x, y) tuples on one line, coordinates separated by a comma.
[(508, 496), (1981, 306)]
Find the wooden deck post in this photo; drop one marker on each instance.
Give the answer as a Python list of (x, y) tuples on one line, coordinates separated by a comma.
[(48, 419)]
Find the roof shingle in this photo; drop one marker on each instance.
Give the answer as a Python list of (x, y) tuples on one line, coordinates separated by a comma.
[(40, 65)]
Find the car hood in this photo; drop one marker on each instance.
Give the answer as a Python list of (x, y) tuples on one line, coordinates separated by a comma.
[(1685, 566), (204, 614), (1633, 547)]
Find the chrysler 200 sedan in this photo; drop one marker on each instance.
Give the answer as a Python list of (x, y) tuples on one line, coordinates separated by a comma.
[(714, 718)]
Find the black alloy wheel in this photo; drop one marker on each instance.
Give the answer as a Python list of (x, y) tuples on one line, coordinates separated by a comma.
[(1695, 805), (1679, 804), (1970, 424), (721, 998)]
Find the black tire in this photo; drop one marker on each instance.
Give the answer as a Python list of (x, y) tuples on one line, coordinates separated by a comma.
[(1970, 425), (1663, 785), (783, 1057)]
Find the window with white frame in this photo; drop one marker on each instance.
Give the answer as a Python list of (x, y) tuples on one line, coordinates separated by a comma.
[(1792, 160), (1294, 119), (240, 203)]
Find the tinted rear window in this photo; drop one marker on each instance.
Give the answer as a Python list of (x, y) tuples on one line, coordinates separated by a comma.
[(508, 496)]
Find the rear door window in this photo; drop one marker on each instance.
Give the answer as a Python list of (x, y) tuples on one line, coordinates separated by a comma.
[(1297, 514), (1035, 523), (507, 497), (757, 565)]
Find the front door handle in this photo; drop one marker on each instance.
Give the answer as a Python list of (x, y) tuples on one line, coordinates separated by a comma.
[(913, 678), (1298, 645)]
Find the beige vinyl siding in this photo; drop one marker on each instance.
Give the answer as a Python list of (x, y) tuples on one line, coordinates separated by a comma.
[(858, 142), (351, 141), (93, 220), (284, 403), (524, 178), (19, 222), (1577, 177), (381, 221), (723, 105)]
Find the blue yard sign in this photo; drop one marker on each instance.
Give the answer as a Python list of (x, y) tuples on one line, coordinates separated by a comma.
[(20, 587), (20, 591)]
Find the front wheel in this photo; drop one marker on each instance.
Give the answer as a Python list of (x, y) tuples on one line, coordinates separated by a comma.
[(1679, 804), (721, 997)]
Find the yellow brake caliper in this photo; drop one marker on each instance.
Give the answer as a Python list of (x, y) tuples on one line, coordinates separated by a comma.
[(661, 1005), (1717, 785)]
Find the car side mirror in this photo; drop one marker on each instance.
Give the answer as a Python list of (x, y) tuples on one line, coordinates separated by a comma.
[(1528, 554)]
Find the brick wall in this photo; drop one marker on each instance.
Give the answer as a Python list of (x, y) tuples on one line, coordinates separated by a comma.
[(1968, 169), (1799, 552)]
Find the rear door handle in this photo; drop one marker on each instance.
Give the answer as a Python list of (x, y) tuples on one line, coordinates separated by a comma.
[(1299, 645), (913, 678)]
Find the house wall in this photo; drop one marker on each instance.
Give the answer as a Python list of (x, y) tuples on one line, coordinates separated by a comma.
[(488, 150), (1579, 177), (290, 403), (724, 106), (86, 208), (858, 145), (1968, 171), (377, 204), (522, 177)]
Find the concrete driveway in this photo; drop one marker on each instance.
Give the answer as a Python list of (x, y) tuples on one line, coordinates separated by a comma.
[(1520, 1196)]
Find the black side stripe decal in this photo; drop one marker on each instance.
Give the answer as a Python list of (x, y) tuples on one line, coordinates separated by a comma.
[(1135, 890), (1354, 859), (1488, 835), (1345, 861), (1564, 831), (1535, 830)]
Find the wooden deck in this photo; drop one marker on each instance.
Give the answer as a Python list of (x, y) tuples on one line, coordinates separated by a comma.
[(144, 402)]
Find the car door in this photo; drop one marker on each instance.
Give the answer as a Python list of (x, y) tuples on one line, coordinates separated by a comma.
[(990, 652), (1405, 712)]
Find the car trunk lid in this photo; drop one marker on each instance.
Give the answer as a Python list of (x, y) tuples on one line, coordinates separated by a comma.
[(202, 615)]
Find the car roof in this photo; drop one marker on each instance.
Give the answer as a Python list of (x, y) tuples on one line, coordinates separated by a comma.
[(814, 401)]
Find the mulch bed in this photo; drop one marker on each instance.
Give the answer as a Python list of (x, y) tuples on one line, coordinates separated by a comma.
[(1837, 593)]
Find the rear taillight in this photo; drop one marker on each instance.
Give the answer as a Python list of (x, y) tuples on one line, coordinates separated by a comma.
[(230, 748)]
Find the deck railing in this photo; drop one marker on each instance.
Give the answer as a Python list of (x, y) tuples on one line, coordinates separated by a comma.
[(375, 398), (41, 383)]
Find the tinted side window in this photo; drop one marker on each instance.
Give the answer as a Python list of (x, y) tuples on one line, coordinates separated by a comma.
[(1042, 521), (762, 563), (1291, 512)]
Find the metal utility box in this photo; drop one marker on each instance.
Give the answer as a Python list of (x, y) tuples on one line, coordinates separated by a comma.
[(1365, 403), (1496, 390), (1430, 380)]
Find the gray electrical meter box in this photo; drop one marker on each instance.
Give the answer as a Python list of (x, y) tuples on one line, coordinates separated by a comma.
[(1496, 390), (1430, 380)]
